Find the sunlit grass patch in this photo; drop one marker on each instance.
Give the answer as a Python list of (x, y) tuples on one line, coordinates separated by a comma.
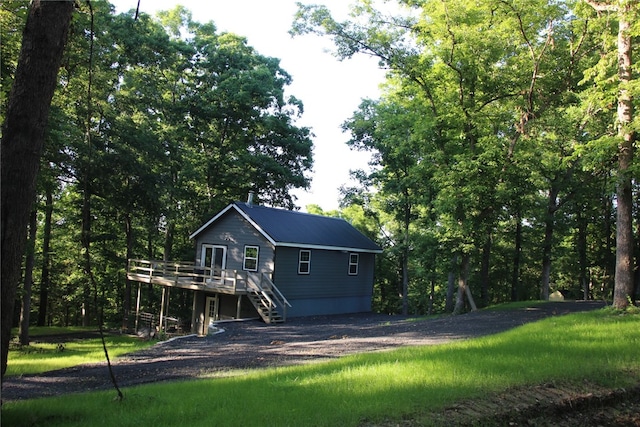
[(43, 331), (42, 357), (597, 347)]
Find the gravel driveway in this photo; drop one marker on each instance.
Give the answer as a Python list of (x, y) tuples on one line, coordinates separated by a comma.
[(253, 344)]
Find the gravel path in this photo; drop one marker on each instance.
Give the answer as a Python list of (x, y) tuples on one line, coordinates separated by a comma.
[(253, 344)]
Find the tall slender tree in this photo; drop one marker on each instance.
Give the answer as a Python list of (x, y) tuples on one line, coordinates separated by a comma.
[(43, 43), (626, 12)]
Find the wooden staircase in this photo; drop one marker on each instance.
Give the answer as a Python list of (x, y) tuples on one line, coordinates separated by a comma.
[(267, 299)]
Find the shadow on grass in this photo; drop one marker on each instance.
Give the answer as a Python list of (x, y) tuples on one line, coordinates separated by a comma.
[(376, 386)]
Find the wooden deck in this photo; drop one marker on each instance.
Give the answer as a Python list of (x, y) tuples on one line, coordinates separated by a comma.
[(262, 292), (188, 276)]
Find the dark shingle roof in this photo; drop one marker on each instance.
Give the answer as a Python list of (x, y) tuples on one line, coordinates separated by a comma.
[(298, 229)]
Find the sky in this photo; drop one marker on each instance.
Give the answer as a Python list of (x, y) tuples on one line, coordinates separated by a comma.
[(331, 90)]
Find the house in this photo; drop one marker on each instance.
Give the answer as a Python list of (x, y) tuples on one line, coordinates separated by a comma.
[(257, 261)]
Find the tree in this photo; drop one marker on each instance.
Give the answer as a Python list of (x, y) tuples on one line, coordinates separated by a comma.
[(43, 42), (132, 162), (490, 76), (392, 130), (25, 309), (624, 12)]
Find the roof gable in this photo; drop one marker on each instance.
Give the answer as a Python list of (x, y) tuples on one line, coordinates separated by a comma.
[(297, 229)]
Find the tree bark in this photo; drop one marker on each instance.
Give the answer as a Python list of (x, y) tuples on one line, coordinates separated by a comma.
[(405, 254), (127, 288), (485, 268), (167, 254), (451, 286), (582, 254), (43, 42), (623, 287), (623, 280), (636, 270), (46, 260), (25, 310), (608, 257), (462, 283), (517, 255), (547, 245)]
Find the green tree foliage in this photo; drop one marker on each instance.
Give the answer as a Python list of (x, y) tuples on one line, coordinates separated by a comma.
[(481, 144), (12, 19), (156, 124), (626, 88)]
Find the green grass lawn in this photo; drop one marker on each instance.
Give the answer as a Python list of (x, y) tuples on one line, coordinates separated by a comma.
[(42, 357), (600, 347)]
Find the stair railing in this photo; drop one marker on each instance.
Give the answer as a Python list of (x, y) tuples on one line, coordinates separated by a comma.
[(281, 300), (267, 291)]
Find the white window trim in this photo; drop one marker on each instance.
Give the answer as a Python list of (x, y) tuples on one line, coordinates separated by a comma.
[(245, 258), (356, 264), (300, 261)]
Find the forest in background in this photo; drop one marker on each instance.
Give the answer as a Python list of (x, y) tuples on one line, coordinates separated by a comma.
[(157, 124), (494, 150)]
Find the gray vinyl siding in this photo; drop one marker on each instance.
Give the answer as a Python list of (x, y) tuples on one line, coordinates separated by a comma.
[(234, 232), (328, 284), (327, 289), (328, 276)]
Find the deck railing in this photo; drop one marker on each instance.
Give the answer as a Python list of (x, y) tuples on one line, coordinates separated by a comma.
[(271, 301), (187, 275), (266, 297)]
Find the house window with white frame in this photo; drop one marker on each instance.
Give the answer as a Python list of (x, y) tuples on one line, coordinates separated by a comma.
[(250, 262), (304, 261), (353, 264)]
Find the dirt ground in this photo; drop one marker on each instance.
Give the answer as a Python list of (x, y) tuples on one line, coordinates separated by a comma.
[(253, 344)]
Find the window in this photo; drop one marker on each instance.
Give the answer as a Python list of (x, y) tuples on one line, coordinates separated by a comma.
[(250, 262), (353, 264), (304, 262)]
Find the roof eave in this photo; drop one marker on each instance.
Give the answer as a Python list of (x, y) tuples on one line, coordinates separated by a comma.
[(241, 212), (328, 248), (255, 225)]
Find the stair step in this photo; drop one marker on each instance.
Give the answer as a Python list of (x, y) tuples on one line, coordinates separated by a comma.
[(263, 310)]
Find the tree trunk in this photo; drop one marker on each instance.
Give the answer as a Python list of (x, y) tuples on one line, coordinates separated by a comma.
[(636, 271), (25, 310), (623, 287), (547, 245), (608, 258), (451, 286), (127, 289), (43, 42), (432, 295), (582, 254), (484, 270), (150, 287), (168, 240), (517, 255), (405, 255), (46, 260), (405, 282), (462, 283), (86, 255)]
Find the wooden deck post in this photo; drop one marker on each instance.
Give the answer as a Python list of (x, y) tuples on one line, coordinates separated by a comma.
[(167, 310), (164, 289), (239, 307), (137, 308)]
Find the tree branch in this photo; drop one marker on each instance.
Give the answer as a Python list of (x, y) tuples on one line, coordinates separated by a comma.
[(602, 7)]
